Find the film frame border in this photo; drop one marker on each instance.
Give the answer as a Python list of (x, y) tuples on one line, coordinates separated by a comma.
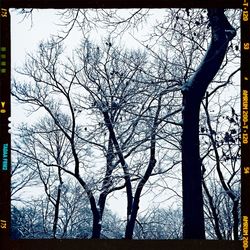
[(245, 149), (5, 140)]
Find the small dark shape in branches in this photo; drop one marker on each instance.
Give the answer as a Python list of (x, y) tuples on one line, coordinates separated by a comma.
[(231, 120), (233, 111), (233, 131), (228, 138), (114, 105)]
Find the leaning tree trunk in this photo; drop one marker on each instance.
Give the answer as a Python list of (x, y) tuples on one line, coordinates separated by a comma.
[(151, 164), (193, 92)]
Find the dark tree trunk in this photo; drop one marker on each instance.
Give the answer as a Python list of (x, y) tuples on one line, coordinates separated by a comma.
[(97, 226), (236, 219), (193, 92), (58, 198), (193, 221), (57, 204), (96, 231)]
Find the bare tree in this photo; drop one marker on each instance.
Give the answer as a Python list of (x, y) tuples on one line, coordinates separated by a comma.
[(115, 90), (134, 100)]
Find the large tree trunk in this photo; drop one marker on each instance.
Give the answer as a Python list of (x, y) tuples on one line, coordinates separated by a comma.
[(96, 231), (193, 92), (193, 217), (236, 221)]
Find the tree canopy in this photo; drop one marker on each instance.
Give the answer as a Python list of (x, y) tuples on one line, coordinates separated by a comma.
[(156, 127)]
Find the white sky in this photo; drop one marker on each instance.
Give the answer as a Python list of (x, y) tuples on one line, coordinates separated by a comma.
[(25, 39)]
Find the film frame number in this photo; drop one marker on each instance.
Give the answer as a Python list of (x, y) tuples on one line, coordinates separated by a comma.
[(4, 12), (246, 46), (3, 224)]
